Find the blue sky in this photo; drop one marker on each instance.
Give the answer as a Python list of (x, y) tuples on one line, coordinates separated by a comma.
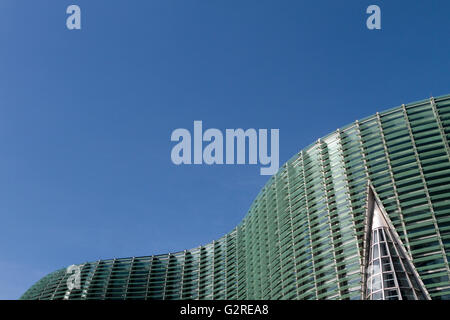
[(86, 116)]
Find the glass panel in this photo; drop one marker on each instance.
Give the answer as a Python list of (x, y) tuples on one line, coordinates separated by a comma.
[(375, 252), (388, 279), (376, 282), (383, 249), (386, 264), (396, 262), (407, 294), (381, 234), (369, 287), (402, 281), (377, 295), (391, 295), (400, 252), (376, 267), (392, 250), (375, 236)]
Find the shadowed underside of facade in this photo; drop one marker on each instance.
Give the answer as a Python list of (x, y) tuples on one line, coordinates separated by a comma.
[(363, 213)]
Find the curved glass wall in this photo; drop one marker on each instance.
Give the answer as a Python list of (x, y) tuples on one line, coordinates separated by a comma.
[(306, 234)]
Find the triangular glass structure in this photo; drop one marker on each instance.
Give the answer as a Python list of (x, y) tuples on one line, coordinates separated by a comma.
[(390, 274)]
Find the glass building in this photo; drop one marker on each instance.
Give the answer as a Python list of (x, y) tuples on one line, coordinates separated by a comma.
[(363, 213)]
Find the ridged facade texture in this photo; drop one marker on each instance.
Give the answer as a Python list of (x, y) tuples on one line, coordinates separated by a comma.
[(304, 235)]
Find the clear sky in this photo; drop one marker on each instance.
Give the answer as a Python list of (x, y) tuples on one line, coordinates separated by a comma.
[(86, 116)]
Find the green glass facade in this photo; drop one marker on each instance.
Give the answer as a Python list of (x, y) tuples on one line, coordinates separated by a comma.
[(307, 235)]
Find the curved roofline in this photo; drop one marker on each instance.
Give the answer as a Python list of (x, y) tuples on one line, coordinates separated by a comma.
[(283, 167)]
